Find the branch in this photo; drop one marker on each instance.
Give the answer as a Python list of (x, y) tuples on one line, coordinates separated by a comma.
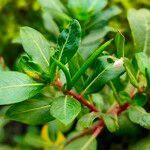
[(78, 97)]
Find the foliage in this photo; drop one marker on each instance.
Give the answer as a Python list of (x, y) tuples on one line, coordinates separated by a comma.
[(73, 83)]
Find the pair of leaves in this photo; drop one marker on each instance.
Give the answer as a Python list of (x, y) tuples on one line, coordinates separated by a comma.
[(139, 116)]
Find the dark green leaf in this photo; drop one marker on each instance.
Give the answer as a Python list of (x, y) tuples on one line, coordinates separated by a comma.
[(65, 109), (140, 99), (36, 46), (139, 116), (16, 87), (34, 111), (68, 41)]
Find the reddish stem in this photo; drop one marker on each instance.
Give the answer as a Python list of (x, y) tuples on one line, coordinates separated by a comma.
[(78, 97), (82, 100)]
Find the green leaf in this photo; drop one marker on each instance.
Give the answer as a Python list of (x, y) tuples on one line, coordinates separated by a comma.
[(89, 61), (82, 10), (81, 144), (33, 111), (142, 62), (87, 120), (37, 47), (32, 69), (111, 122), (102, 18), (139, 21), (49, 23), (139, 99), (74, 65), (120, 42), (65, 109), (68, 41), (131, 72), (51, 4), (16, 87), (139, 116), (104, 72)]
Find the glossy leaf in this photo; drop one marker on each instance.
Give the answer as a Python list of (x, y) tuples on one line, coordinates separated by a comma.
[(68, 41), (139, 21), (16, 87), (139, 116), (65, 109), (37, 47), (33, 111)]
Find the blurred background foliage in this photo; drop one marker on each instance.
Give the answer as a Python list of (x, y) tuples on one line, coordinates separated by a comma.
[(98, 21)]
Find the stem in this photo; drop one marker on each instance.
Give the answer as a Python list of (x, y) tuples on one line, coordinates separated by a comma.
[(64, 69), (81, 99), (114, 91), (89, 61), (78, 97)]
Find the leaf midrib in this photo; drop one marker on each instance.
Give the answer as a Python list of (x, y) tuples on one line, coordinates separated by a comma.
[(21, 85), (39, 49), (62, 50), (33, 109)]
